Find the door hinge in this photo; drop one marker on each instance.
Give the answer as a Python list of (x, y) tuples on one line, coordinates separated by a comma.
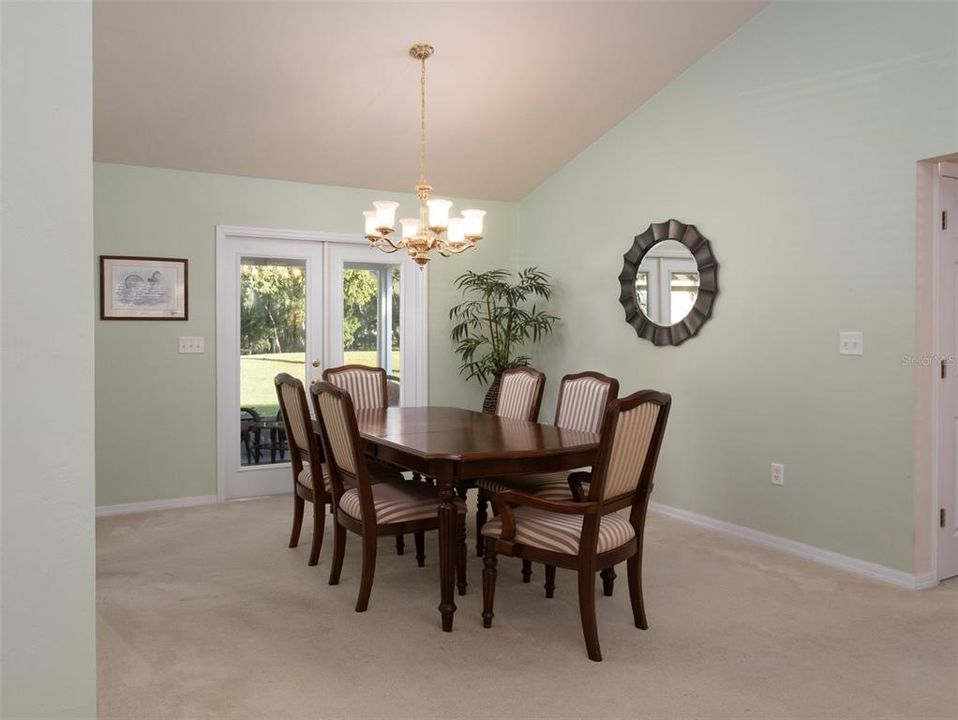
[(943, 371), (944, 219), (941, 517)]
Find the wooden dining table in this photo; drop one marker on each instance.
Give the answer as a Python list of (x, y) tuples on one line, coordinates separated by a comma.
[(457, 446)]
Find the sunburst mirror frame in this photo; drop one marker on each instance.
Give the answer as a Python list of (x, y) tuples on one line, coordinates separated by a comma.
[(701, 310)]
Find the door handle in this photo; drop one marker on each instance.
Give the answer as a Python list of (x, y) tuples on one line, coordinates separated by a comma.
[(314, 381), (316, 363)]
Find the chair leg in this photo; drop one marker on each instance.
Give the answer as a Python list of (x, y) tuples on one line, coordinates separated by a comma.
[(420, 548), (299, 505), (526, 570), (319, 528), (608, 580), (339, 552), (488, 582), (461, 491), (461, 583), (587, 612), (634, 565), (550, 581), (400, 545), (369, 570), (482, 515)]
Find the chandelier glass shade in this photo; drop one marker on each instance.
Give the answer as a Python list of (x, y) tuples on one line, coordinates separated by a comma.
[(435, 228)]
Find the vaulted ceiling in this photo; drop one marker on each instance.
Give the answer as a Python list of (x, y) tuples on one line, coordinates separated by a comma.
[(326, 93)]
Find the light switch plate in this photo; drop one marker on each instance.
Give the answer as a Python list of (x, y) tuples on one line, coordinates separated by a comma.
[(192, 344), (851, 342)]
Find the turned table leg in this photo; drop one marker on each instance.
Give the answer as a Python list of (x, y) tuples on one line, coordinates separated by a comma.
[(448, 545)]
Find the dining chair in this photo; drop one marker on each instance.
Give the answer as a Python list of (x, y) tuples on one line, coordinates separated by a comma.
[(520, 397), (581, 405), (367, 509), (368, 387), (520, 393), (588, 535), (310, 474)]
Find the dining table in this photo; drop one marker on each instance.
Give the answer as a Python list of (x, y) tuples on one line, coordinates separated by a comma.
[(456, 447)]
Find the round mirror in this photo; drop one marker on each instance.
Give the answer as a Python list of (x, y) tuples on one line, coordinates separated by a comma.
[(669, 282)]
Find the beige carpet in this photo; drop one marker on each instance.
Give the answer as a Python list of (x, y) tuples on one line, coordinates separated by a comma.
[(204, 613)]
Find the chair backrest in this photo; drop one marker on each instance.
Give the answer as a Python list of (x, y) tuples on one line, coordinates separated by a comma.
[(520, 393), (631, 438), (337, 420), (294, 410), (583, 398), (365, 385)]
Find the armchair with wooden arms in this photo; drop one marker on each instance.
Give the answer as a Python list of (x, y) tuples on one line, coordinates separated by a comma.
[(581, 405), (590, 534)]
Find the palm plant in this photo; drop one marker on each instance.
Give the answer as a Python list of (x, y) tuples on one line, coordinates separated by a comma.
[(495, 320)]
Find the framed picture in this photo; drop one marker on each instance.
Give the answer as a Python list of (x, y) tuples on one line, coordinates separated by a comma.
[(143, 288)]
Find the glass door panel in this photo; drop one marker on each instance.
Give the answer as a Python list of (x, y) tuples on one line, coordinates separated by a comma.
[(272, 341), (376, 317), (372, 320)]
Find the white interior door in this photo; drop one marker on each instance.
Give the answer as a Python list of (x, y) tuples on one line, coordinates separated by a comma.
[(947, 520), (270, 300)]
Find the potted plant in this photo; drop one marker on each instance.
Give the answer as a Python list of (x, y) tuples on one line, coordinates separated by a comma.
[(496, 318)]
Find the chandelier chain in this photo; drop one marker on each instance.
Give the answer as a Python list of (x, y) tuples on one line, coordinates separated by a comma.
[(422, 123)]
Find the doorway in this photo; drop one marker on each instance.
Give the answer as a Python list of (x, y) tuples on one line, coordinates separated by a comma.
[(946, 501), (296, 303)]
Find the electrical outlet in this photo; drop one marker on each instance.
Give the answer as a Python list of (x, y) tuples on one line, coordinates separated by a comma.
[(778, 474), (851, 342), (190, 344)]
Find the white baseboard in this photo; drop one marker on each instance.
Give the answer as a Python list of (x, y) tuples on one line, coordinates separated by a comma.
[(809, 552), (149, 505)]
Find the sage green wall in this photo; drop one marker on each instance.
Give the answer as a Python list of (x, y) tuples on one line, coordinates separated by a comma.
[(792, 146), (48, 652), (155, 408)]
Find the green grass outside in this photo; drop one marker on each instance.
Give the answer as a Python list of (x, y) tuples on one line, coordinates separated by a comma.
[(257, 372)]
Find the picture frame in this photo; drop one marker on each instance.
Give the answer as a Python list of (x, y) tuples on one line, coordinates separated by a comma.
[(143, 288)]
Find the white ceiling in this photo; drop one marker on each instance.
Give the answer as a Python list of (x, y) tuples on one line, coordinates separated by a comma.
[(325, 92)]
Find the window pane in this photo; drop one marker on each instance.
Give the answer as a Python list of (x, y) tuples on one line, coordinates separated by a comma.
[(272, 341), (684, 287), (371, 328), (642, 291)]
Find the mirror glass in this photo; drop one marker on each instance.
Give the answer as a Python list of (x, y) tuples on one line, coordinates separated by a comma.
[(667, 283)]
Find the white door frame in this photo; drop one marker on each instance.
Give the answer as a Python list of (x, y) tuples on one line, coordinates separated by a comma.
[(230, 235), (943, 287)]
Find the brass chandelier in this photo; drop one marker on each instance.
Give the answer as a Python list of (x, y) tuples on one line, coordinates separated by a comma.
[(434, 229)]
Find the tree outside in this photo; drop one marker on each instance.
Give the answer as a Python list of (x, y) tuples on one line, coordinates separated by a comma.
[(273, 326)]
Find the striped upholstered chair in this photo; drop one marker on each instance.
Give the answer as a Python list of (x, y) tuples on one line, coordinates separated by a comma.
[(588, 535), (308, 463), (581, 405), (365, 508), (520, 393), (368, 388), (365, 385)]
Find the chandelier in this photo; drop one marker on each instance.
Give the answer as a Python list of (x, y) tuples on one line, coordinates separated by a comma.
[(434, 229)]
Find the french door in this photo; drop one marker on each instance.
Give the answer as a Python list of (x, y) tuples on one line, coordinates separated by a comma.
[(298, 303)]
